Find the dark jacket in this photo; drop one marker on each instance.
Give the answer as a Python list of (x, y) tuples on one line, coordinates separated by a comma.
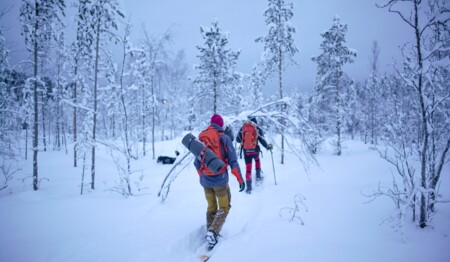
[(230, 154), (261, 140)]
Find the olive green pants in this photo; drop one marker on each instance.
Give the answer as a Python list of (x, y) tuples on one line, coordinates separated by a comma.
[(218, 207)]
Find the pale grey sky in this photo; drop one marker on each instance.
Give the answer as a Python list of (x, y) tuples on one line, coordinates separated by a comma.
[(243, 20)]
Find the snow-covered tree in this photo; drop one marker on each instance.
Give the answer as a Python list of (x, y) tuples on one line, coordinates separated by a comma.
[(119, 101), (103, 21), (216, 72), (60, 92), (258, 79), (38, 19), (425, 75), (233, 100), (81, 60), (149, 64), (177, 104), (9, 119), (279, 47), (349, 104), (330, 82), (371, 99), (5, 91)]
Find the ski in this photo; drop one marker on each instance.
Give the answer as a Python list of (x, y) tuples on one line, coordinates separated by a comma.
[(207, 255), (208, 251)]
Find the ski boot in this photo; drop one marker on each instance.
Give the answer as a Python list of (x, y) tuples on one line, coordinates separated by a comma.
[(211, 238), (248, 189)]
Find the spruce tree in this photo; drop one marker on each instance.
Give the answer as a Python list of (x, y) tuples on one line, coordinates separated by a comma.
[(216, 76), (329, 81), (279, 47)]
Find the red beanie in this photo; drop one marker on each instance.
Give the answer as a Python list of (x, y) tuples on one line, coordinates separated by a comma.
[(217, 119)]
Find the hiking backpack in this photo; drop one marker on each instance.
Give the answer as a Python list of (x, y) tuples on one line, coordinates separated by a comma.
[(249, 136), (211, 138)]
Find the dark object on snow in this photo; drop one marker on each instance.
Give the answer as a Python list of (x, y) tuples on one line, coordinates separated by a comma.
[(167, 160), (196, 147)]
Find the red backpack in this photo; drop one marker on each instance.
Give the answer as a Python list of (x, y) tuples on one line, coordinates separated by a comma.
[(249, 136), (211, 138)]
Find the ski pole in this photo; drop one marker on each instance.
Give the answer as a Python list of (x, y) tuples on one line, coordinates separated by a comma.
[(273, 165)]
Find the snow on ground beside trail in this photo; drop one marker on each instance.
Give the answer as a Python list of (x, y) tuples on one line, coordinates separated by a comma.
[(56, 223)]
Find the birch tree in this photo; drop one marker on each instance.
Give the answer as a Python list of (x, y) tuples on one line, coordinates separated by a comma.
[(425, 73)]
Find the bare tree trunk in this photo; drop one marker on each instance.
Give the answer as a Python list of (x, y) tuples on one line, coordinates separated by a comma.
[(425, 136), (436, 177), (59, 116), (122, 93), (280, 82), (36, 108), (26, 141), (339, 139), (83, 172), (58, 127), (74, 98), (64, 137), (97, 49), (113, 125), (153, 117), (43, 124), (215, 94), (144, 131), (338, 116)]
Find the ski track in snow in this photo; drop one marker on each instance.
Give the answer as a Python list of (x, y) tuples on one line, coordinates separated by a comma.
[(57, 224)]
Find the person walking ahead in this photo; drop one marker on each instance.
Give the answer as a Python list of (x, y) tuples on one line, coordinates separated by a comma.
[(217, 191), (249, 135)]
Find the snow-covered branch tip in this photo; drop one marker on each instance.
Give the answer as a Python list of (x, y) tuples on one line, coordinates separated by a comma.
[(165, 186)]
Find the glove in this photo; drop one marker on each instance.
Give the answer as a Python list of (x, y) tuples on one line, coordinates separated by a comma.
[(270, 147), (241, 186)]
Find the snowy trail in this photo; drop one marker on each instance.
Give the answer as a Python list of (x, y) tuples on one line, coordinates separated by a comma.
[(336, 208), (242, 222), (57, 224), (254, 221)]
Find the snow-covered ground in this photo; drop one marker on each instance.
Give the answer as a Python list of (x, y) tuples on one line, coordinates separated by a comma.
[(56, 223)]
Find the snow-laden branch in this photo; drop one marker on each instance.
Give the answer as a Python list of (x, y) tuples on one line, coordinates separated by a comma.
[(292, 127), (170, 177)]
